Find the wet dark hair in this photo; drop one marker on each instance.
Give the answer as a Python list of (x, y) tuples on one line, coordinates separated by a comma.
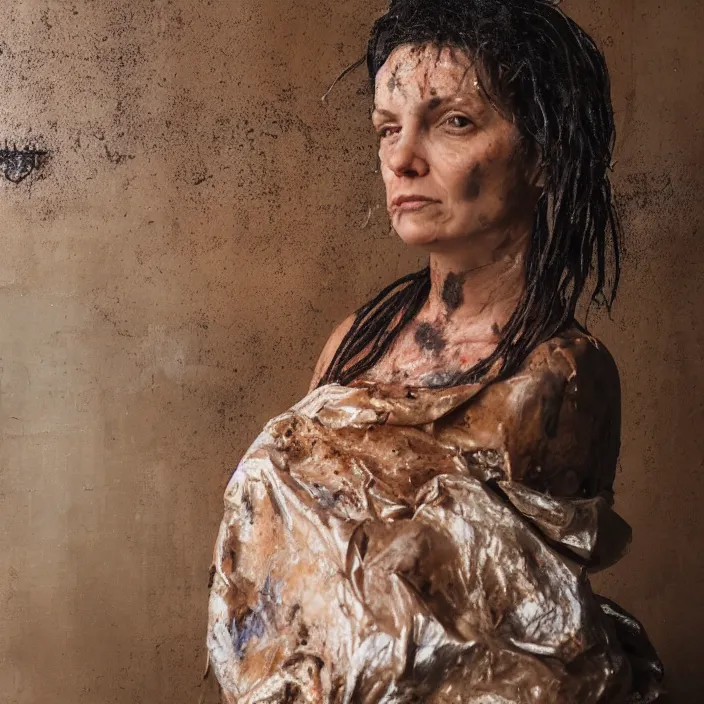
[(540, 69)]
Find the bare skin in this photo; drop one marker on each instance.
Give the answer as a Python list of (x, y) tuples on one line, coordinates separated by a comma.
[(458, 186)]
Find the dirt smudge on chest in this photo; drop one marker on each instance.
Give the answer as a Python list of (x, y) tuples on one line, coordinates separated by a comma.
[(430, 338)]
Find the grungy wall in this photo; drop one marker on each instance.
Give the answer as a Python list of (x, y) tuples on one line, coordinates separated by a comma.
[(169, 276)]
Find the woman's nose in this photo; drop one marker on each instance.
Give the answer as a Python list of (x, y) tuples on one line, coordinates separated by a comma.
[(406, 157)]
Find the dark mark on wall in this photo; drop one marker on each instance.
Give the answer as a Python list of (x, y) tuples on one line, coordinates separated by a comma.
[(16, 164), (201, 178), (115, 158)]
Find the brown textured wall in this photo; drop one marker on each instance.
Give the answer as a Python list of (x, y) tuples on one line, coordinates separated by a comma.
[(169, 276), (657, 335)]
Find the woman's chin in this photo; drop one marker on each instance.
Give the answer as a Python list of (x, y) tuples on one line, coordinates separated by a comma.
[(424, 237)]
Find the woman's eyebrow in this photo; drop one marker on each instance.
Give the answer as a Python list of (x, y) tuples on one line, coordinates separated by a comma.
[(456, 98)]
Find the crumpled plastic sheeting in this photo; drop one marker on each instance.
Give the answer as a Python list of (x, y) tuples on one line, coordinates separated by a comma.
[(371, 551)]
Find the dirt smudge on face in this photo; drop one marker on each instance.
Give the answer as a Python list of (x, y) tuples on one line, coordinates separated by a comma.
[(474, 182)]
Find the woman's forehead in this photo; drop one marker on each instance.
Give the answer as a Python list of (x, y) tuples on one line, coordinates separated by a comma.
[(425, 71)]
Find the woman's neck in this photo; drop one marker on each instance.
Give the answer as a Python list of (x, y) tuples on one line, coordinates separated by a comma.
[(477, 290)]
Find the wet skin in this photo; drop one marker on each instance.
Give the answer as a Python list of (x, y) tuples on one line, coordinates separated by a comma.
[(458, 186)]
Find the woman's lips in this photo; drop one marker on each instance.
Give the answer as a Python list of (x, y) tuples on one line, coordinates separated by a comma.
[(412, 202)]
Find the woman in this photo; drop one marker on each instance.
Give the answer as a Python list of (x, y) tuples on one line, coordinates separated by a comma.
[(418, 528)]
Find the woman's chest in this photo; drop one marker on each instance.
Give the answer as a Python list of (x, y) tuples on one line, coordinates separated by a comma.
[(428, 356)]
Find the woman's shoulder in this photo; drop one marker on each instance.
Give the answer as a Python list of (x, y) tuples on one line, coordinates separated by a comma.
[(573, 390), (556, 420), (329, 349), (576, 356), (576, 373)]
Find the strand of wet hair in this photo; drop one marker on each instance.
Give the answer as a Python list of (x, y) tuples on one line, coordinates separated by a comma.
[(373, 329)]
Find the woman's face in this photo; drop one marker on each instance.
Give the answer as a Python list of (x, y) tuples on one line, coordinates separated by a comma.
[(451, 163)]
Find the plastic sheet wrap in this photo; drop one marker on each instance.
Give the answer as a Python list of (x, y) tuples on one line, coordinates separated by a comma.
[(398, 544)]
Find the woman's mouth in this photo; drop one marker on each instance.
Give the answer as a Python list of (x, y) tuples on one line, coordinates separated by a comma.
[(411, 202)]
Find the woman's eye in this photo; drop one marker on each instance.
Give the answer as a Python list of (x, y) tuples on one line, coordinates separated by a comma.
[(458, 121), (386, 131)]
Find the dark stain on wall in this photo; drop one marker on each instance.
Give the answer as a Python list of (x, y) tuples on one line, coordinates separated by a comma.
[(16, 164)]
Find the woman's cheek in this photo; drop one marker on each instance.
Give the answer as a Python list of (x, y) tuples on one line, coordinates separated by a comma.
[(386, 173), (473, 183)]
